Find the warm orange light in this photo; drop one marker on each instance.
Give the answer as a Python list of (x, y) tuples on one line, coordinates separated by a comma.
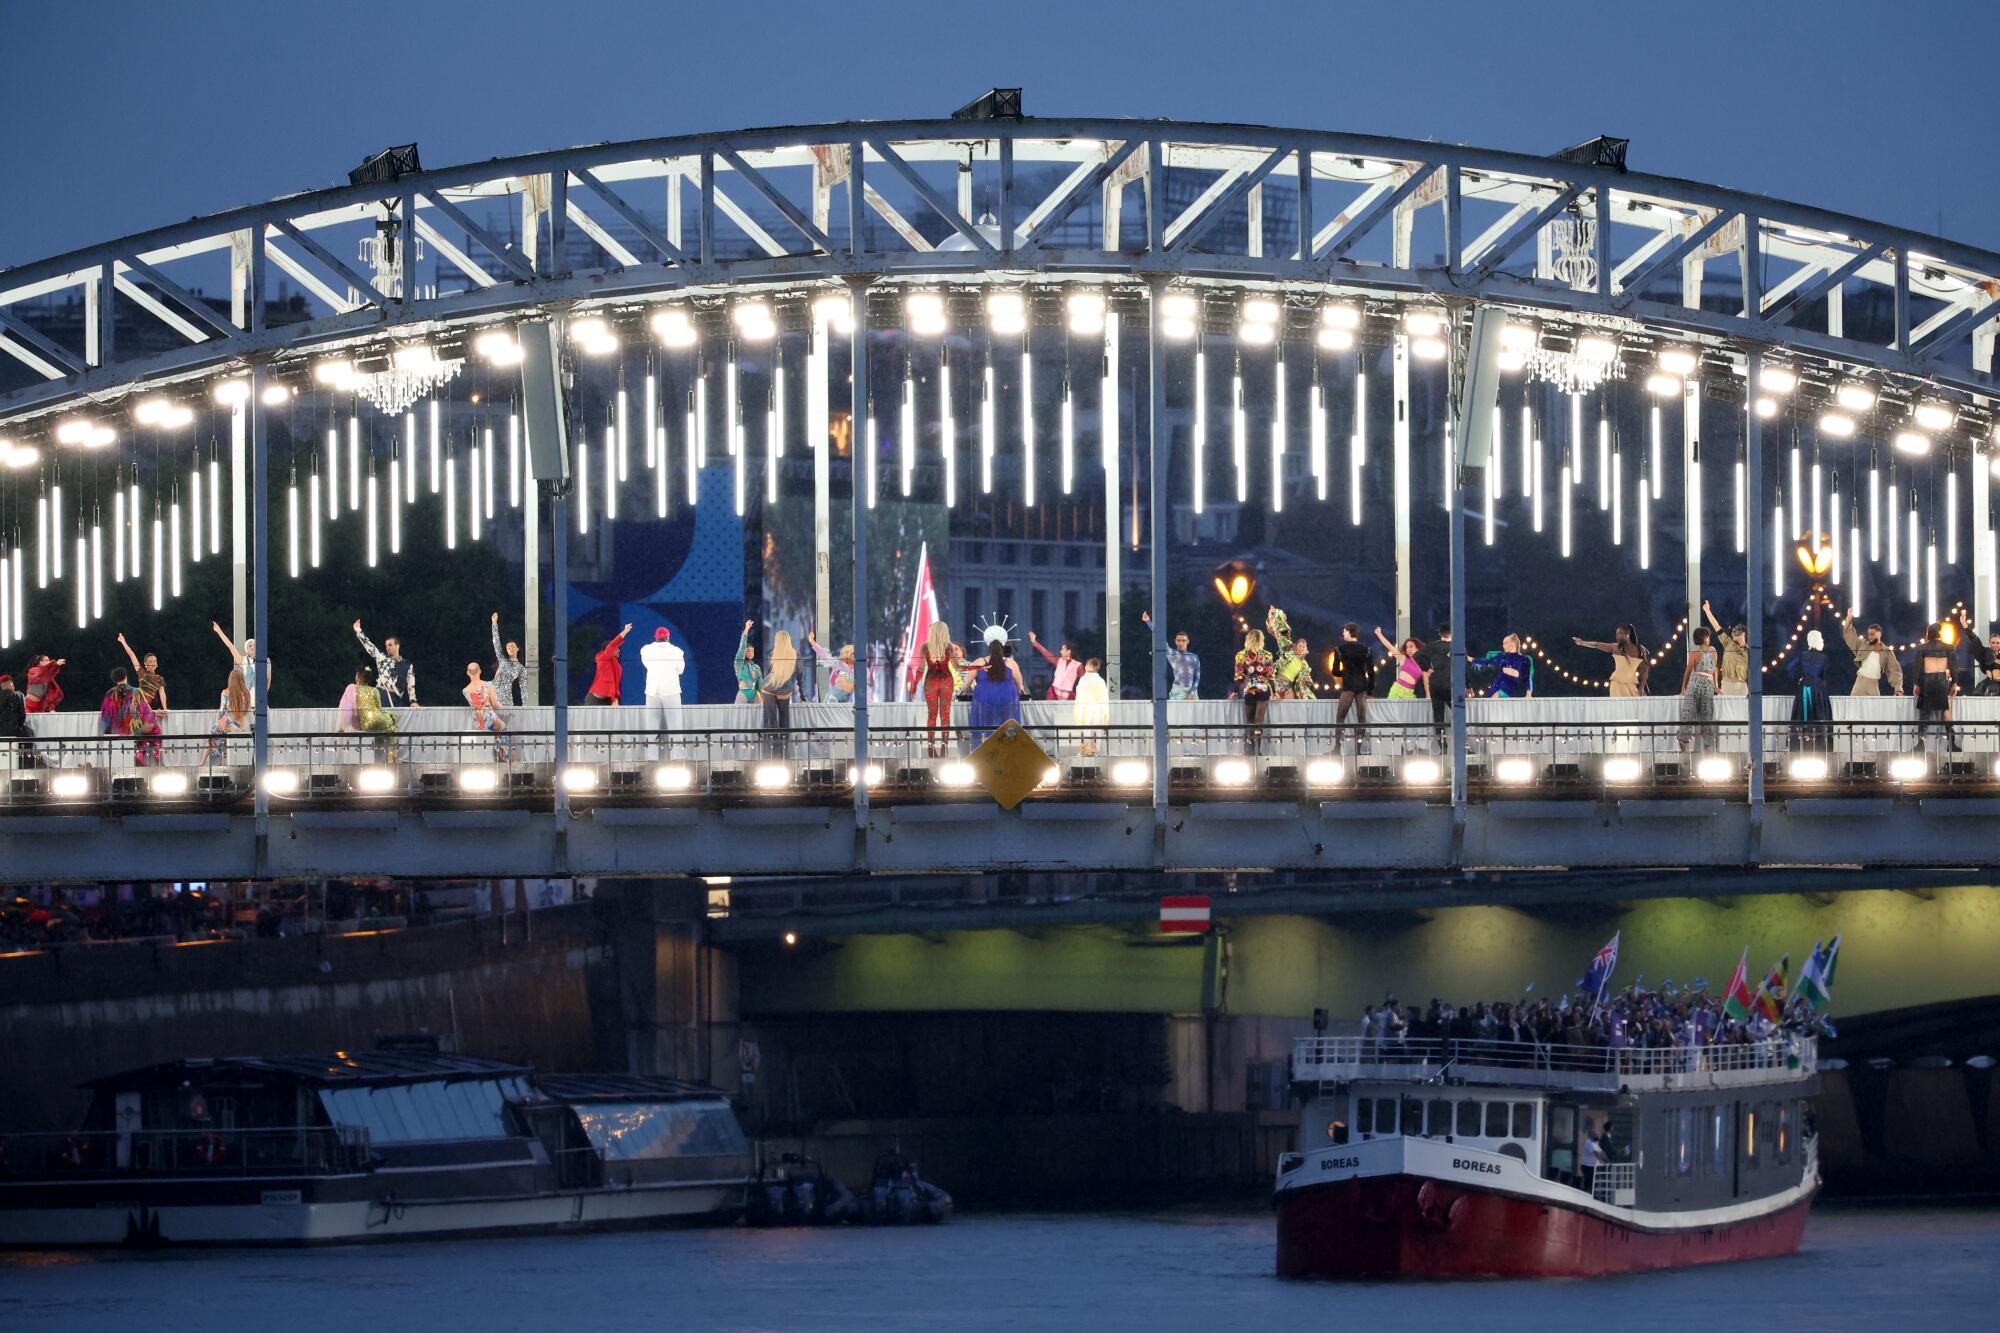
[(1948, 632), (1816, 563)]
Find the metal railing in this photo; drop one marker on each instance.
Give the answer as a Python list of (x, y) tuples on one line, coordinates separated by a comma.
[(1615, 1183), (301, 1150), (1318, 1059)]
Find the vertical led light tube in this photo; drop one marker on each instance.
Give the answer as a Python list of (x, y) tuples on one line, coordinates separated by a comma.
[(1495, 464), (1278, 436), (906, 430), (1742, 501), (1813, 541), (1645, 521), (652, 421), (1239, 436), (583, 482), (1778, 549), (373, 553), (1568, 486), (291, 528), (1027, 425), (729, 423), (133, 511), (1200, 468), (82, 582), (451, 501), (1916, 568), (194, 518), (611, 476), (1068, 436), (1694, 515), (1574, 455), (1658, 456), (473, 526), (354, 459), (700, 451), (1874, 511), (486, 476), (1950, 517), (118, 535), (513, 460), (1535, 492), (6, 603), (986, 430), (771, 452), (174, 547), (312, 519), (777, 403), (1930, 582), (21, 604), (1833, 527), (1895, 519), (660, 472), (947, 434), (1530, 468), (624, 434), (332, 473), (56, 530), (1606, 487), (214, 505), (1860, 581), (437, 447), (1317, 440), (689, 449), (41, 541), (409, 458), (97, 571), (395, 508), (1796, 494), (1616, 476), (874, 452)]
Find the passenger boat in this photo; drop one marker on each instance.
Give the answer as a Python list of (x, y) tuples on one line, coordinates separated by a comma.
[(370, 1145), (1456, 1158)]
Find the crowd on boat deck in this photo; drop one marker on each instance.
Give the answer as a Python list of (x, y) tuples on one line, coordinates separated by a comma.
[(1634, 1018)]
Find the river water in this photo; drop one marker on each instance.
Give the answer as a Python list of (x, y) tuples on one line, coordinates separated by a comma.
[(1195, 1269)]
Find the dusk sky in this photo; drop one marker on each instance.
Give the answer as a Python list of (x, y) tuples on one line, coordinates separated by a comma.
[(116, 117)]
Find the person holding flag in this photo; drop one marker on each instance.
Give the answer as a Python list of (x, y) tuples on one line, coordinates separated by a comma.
[(1598, 975)]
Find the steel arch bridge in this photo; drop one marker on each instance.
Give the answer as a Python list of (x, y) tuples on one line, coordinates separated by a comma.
[(1878, 325)]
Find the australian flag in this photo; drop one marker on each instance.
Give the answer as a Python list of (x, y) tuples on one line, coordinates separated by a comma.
[(1598, 975)]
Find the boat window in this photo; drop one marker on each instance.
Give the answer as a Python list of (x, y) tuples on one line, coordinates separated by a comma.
[(634, 1131), (1496, 1120), (1750, 1136), (1364, 1121), (1719, 1141), (1413, 1118), (1440, 1118), (1468, 1120), (1524, 1120), (1385, 1115), (1684, 1140), (419, 1112), (1562, 1124)]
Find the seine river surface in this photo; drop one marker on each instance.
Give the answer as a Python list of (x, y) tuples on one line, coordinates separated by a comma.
[(1860, 1268)]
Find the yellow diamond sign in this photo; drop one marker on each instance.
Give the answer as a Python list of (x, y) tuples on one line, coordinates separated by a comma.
[(1009, 764)]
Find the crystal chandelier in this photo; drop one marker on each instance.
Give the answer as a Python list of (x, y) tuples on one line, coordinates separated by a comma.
[(414, 372), (1574, 240)]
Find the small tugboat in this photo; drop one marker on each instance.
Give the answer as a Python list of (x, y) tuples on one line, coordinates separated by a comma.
[(370, 1145), (1456, 1158)]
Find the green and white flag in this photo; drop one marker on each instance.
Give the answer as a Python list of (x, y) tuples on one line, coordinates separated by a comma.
[(1816, 982)]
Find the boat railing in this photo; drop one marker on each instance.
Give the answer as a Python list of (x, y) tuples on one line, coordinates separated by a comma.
[(1615, 1183), (1547, 1064), (298, 1150)]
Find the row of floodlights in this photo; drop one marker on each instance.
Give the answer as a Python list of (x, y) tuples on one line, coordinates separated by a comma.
[(1415, 771)]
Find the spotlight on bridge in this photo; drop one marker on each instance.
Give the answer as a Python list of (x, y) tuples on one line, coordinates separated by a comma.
[(771, 777), (1325, 773), (791, 937), (958, 773), (1130, 772), (673, 777), (1622, 768), (1807, 768), (170, 784), (1515, 768), (1233, 773), (874, 775), (281, 782), (71, 785), (1051, 777), (1907, 768), (375, 781), (478, 780), (578, 777), (1422, 772), (1714, 768)]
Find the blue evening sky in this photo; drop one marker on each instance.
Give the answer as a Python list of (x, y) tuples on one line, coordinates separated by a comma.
[(119, 116)]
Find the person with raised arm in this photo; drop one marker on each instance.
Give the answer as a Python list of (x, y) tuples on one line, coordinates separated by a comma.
[(840, 669), (1183, 667), (1876, 670), (246, 657), (1409, 682), (395, 676), (608, 684), (1066, 668), (146, 676), (125, 712), (43, 692), (1629, 664), (1735, 654), (507, 668), (748, 674), (232, 715)]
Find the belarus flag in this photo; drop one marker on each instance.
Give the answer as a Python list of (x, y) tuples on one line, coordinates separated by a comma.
[(1737, 999)]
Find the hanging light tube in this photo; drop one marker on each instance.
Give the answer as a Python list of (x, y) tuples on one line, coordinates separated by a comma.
[(1895, 519), (1814, 539), (1606, 487), (738, 463), (583, 483), (353, 459), (1645, 521), (1239, 437), (41, 541), (874, 488), (332, 473), (1495, 462), (472, 474), (6, 604), (1568, 486), (437, 446), (660, 472), (1278, 436), (611, 477), (689, 449), (1742, 502), (1797, 492), (1694, 515), (1496, 480), (1535, 493), (1931, 581), (138, 528), (652, 420), (729, 390), (778, 402), (395, 508), (771, 452), (291, 528), (1027, 425), (1658, 456), (700, 451), (1068, 436), (486, 477), (1860, 580), (947, 432), (118, 535), (451, 501), (194, 518), (986, 429), (21, 603), (174, 547), (312, 519), (373, 554), (1574, 455), (1317, 440), (1833, 528), (906, 429), (1916, 568), (214, 505), (513, 460), (82, 583), (1950, 517), (1529, 466), (624, 434), (1778, 549), (1200, 469), (1874, 510), (56, 530), (97, 571), (1615, 475), (409, 458)]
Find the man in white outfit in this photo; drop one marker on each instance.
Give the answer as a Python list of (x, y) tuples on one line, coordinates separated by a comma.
[(664, 662)]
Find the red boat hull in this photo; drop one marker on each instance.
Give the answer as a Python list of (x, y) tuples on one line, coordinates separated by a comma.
[(1397, 1226)]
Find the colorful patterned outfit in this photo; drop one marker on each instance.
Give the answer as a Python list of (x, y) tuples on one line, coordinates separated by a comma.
[(361, 710), (1255, 674), (395, 677), (1186, 669), (125, 712), (1698, 700), (484, 701), (507, 672), (840, 676)]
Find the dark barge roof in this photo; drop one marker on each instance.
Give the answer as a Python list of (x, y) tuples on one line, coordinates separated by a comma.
[(618, 1088), (336, 1069)]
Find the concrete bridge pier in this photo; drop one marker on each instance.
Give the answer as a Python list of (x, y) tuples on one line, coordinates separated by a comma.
[(677, 996)]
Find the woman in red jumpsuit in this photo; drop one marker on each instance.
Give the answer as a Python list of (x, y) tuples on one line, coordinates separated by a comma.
[(939, 685)]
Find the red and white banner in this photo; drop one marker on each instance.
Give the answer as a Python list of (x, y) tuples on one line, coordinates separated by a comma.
[(1184, 916)]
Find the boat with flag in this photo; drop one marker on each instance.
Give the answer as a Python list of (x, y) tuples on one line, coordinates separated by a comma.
[(1510, 1155)]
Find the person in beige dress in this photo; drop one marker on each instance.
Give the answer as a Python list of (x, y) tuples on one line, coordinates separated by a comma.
[(1876, 670), (1629, 665), (1735, 654)]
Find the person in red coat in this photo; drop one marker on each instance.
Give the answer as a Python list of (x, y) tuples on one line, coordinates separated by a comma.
[(610, 678), (43, 692)]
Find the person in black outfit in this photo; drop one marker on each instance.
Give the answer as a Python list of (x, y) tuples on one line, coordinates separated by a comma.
[(14, 723), (1930, 682), (1435, 658), (1354, 673)]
